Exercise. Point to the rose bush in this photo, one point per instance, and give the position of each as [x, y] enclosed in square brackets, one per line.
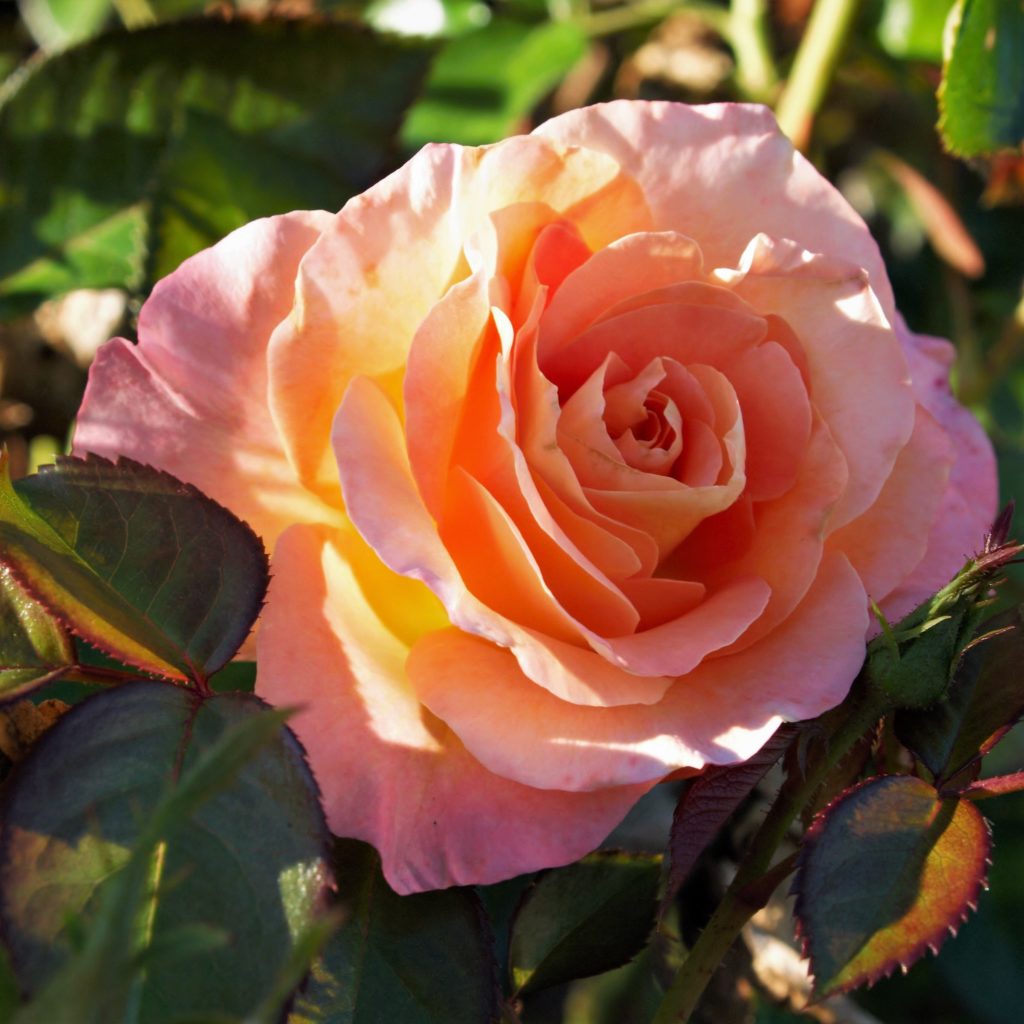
[579, 456]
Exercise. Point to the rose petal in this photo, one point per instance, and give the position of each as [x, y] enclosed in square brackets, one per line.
[386, 510]
[885, 543]
[190, 398]
[721, 713]
[390, 773]
[413, 235]
[721, 173]
[859, 381]
[776, 419]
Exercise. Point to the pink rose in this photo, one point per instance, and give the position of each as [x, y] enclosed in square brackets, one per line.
[579, 457]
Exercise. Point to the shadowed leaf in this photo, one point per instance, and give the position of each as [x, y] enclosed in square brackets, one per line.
[584, 919]
[421, 959]
[135, 149]
[986, 698]
[886, 872]
[208, 806]
[134, 561]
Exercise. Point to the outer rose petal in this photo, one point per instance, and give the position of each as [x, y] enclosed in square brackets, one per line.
[722, 712]
[389, 772]
[191, 397]
[720, 174]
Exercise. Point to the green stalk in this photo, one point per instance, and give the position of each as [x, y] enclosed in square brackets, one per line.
[745, 897]
[815, 62]
[756, 74]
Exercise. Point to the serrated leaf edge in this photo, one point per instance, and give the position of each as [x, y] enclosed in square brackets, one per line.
[931, 944]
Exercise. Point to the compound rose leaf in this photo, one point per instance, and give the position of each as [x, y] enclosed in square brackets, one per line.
[208, 805]
[134, 561]
[34, 647]
[709, 801]
[584, 919]
[985, 700]
[886, 872]
[421, 959]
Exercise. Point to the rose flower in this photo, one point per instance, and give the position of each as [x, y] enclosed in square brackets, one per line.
[579, 457]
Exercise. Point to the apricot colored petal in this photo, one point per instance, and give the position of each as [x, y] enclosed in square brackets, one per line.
[661, 600]
[788, 540]
[389, 772]
[628, 267]
[394, 251]
[191, 397]
[859, 379]
[385, 508]
[890, 539]
[722, 173]
[722, 712]
[437, 378]
[677, 647]
[713, 335]
[776, 419]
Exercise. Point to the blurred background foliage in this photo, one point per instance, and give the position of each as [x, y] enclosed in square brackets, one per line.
[136, 132]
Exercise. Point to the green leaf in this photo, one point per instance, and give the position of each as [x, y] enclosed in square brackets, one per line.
[421, 959]
[584, 919]
[886, 872]
[210, 810]
[986, 698]
[34, 647]
[981, 98]
[57, 23]
[485, 83]
[912, 29]
[132, 150]
[134, 561]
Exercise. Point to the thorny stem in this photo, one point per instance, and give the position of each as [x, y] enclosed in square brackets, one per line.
[745, 896]
[815, 62]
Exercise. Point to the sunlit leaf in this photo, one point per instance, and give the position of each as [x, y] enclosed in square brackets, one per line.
[981, 98]
[34, 647]
[134, 561]
[483, 84]
[886, 873]
[584, 919]
[421, 959]
[210, 808]
[57, 23]
[912, 29]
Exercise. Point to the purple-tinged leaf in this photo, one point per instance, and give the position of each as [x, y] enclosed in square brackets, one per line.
[886, 872]
[985, 700]
[996, 785]
[137, 563]
[709, 802]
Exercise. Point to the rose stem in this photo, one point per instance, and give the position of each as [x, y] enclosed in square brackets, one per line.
[756, 74]
[745, 897]
[812, 70]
